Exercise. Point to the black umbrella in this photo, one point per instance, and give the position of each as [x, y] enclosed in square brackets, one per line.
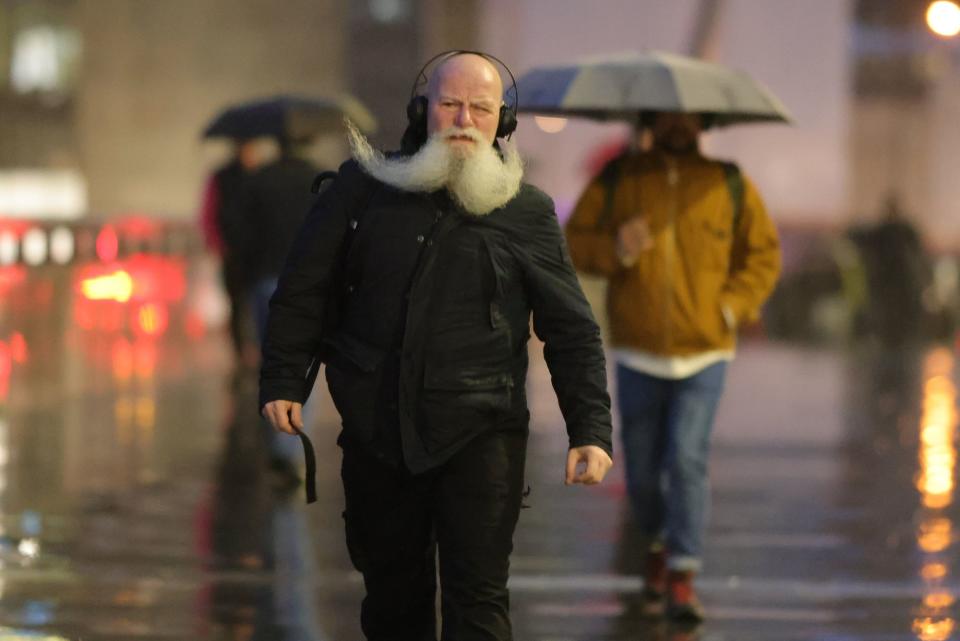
[289, 118]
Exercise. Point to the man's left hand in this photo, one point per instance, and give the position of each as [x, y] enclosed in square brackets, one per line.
[596, 464]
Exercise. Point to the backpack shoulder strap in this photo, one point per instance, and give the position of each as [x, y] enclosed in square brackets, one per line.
[735, 186]
[609, 177]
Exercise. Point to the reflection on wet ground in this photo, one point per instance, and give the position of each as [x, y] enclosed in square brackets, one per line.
[136, 502]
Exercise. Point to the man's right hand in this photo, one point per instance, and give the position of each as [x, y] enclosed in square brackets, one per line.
[284, 415]
[633, 237]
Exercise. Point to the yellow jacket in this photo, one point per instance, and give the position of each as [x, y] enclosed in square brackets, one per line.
[670, 301]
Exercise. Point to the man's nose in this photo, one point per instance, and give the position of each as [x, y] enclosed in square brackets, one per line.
[464, 118]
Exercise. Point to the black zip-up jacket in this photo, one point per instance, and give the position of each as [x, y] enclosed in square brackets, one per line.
[421, 313]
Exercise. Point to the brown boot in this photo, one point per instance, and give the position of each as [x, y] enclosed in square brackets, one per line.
[653, 595]
[682, 602]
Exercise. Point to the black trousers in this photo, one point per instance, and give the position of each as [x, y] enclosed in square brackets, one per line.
[467, 510]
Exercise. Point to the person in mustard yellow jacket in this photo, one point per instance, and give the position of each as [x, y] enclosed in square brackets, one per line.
[690, 255]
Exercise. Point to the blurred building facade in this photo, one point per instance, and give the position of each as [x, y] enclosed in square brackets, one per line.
[115, 92]
[905, 141]
[874, 95]
[102, 101]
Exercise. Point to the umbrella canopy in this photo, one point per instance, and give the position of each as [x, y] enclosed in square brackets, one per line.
[289, 118]
[623, 87]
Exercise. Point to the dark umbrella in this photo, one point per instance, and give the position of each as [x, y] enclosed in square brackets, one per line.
[623, 87]
[289, 118]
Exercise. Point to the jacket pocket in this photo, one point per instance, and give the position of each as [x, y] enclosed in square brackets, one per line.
[458, 403]
[354, 378]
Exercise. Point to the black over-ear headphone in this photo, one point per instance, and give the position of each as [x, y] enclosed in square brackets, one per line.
[417, 107]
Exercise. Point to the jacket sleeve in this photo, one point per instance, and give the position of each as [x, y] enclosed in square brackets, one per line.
[562, 319]
[295, 323]
[755, 259]
[593, 249]
[209, 218]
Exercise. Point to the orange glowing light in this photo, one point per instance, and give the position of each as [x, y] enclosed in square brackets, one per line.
[121, 358]
[117, 286]
[938, 600]
[938, 454]
[935, 535]
[933, 571]
[146, 412]
[153, 319]
[930, 629]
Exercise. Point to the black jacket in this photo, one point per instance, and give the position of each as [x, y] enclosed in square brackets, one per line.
[427, 347]
[273, 203]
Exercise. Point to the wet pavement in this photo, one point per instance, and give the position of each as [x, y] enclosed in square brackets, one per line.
[136, 501]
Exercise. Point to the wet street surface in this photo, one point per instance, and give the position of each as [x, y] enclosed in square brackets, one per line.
[136, 501]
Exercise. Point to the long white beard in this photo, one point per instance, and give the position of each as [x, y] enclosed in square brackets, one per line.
[480, 181]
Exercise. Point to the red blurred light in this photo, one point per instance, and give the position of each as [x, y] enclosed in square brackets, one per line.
[6, 365]
[194, 326]
[138, 226]
[11, 277]
[18, 348]
[110, 317]
[145, 357]
[84, 314]
[108, 245]
[121, 357]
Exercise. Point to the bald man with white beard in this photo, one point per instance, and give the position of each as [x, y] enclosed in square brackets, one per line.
[414, 280]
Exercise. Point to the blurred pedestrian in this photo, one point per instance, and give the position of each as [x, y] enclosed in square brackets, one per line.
[435, 259]
[223, 234]
[689, 254]
[273, 205]
[901, 306]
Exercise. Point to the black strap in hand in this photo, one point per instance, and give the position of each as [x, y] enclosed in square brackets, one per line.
[311, 464]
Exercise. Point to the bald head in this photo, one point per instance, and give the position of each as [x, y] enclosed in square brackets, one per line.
[464, 92]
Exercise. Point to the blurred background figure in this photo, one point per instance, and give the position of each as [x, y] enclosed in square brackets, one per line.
[223, 232]
[274, 202]
[273, 205]
[900, 304]
[269, 203]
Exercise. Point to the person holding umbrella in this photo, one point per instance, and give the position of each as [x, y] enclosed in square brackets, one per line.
[689, 254]
[222, 232]
[269, 205]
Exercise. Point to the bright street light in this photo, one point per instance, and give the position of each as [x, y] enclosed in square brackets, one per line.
[943, 18]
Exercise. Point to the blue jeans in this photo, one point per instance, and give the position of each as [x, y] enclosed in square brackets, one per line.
[666, 426]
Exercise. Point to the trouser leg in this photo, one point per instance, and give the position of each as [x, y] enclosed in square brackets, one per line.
[642, 402]
[389, 528]
[479, 496]
[693, 406]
